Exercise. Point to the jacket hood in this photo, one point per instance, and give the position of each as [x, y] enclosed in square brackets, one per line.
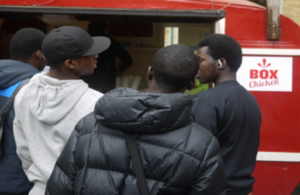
[51, 99]
[12, 71]
[137, 112]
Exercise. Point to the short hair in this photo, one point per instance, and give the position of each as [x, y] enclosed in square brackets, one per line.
[56, 66]
[175, 66]
[25, 42]
[224, 46]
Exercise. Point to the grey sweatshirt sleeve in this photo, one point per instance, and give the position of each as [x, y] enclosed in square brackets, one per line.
[22, 145]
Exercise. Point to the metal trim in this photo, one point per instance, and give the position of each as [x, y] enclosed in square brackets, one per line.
[115, 11]
[271, 52]
[278, 156]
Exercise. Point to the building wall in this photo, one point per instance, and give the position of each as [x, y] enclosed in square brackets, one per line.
[291, 8]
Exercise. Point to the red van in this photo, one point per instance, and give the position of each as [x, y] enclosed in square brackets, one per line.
[270, 69]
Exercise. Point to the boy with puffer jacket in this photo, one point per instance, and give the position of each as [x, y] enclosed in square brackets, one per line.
[178, 156]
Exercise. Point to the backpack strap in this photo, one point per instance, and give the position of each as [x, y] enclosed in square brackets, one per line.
[7, 107]
[137, 164]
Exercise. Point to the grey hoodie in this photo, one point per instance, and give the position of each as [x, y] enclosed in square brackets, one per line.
[46, 112]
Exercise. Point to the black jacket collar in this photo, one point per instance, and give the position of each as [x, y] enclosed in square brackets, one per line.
[137, 112]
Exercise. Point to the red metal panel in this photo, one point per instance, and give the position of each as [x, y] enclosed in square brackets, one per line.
[280, 117]
[280, 110]
[150, 4]
[142, 4]
[248, 26]
[276, 178]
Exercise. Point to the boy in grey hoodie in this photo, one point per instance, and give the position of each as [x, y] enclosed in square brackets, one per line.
[48, 108]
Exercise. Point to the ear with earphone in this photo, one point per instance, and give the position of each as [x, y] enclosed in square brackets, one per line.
[220, 63]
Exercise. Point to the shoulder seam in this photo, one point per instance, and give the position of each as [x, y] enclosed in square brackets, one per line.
[208, 146]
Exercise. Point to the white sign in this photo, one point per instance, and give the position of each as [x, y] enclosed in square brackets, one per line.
[266, 73]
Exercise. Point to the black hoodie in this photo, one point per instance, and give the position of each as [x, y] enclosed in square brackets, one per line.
[12, 177]
[179, 157]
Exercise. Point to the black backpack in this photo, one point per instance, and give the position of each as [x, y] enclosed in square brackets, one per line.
[7, 107]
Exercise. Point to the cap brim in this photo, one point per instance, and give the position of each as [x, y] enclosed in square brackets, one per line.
[100, 44]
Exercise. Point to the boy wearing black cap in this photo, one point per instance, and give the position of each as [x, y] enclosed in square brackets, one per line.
[48, 108]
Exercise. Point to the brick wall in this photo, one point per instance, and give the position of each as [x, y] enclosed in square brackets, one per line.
[291, 8]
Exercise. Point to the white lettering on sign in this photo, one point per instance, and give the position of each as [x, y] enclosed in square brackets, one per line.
[266, 73]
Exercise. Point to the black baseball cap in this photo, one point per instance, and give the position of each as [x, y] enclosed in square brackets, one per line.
[69, 42]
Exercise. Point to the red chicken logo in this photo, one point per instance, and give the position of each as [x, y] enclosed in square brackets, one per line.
[264, 64]
[263, 74]
[263, 77]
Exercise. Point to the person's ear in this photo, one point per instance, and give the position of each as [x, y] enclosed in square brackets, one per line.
[191, 85]
[39, 55]
[222, 63]
[70, 64]
[150, 73]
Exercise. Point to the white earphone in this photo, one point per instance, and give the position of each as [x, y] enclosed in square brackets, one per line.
[220, 63]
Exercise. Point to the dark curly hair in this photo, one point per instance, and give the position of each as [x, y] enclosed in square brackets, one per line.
[175, 66]
[25, 42]
[224, 46]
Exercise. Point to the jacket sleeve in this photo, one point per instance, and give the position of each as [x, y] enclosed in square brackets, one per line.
[210, 178]
[205, 115]
[62, 178]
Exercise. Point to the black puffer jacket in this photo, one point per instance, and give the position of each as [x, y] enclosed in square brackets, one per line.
[179, 157]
